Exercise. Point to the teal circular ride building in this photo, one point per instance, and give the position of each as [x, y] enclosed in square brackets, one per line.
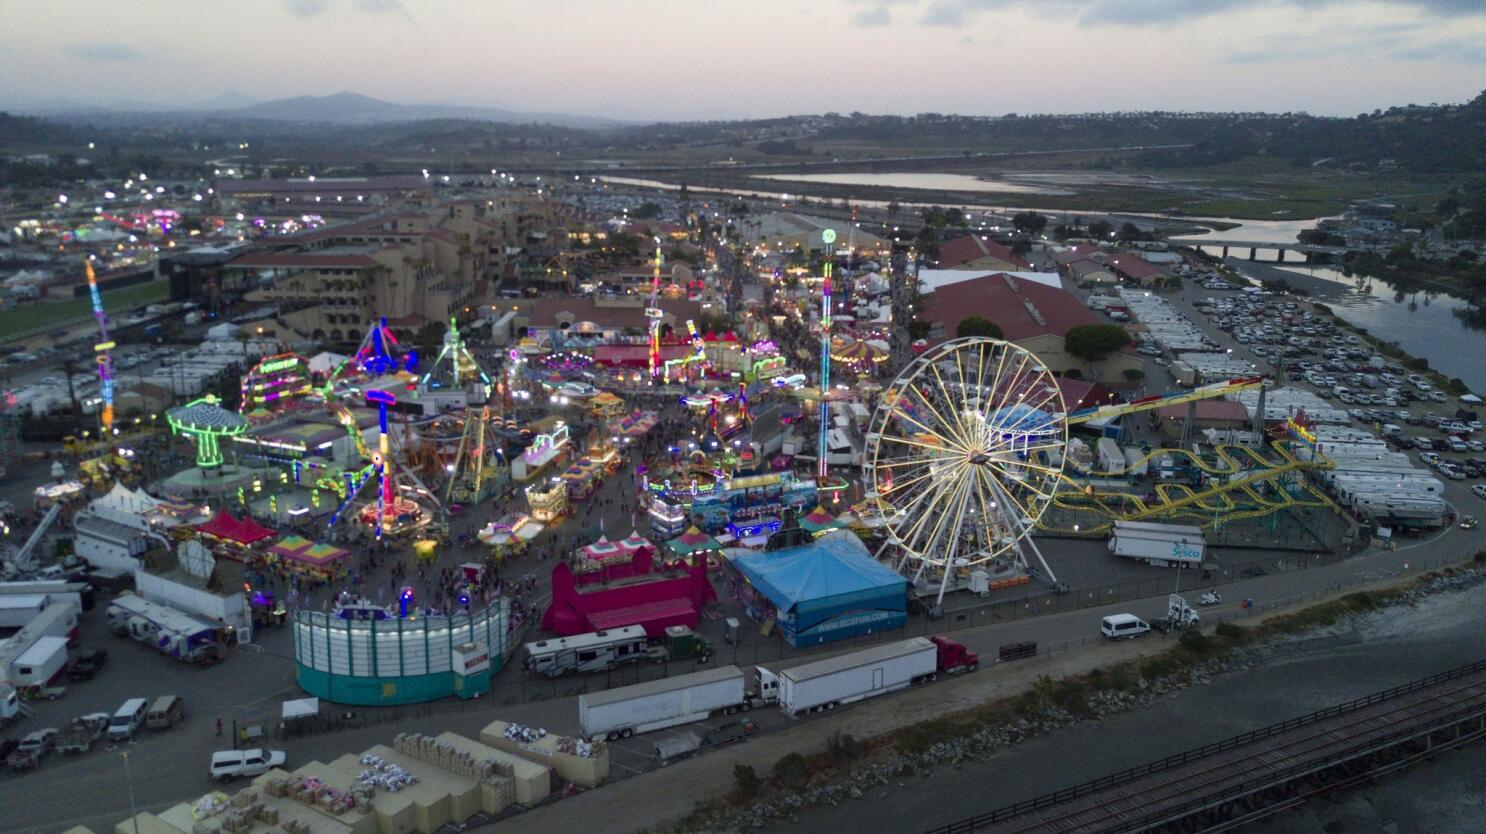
[371, 657]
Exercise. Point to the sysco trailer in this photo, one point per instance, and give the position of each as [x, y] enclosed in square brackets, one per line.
[1167, 545]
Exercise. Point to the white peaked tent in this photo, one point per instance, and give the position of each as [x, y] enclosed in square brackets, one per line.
[124, 499]
[324, 363]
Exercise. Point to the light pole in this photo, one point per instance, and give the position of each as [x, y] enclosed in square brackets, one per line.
[129, 781]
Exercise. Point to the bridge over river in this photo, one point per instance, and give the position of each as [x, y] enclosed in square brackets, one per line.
[1307, 250]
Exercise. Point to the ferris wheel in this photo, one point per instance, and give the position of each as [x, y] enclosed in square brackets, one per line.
[965, 453]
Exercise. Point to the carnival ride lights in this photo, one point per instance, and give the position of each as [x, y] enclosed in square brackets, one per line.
[206, 422]
[374, 356]
[653, 313]
[827, 237]
[275, 380]
[102, 348]
[462, 364]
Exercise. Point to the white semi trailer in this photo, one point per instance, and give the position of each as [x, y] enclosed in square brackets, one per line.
[870, 672]
[670, 702]
[1166, 545]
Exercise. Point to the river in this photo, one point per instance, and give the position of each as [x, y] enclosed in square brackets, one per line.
[930, 182]
[1425, 324]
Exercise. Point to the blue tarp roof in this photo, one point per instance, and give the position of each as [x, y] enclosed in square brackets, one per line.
[829, 567]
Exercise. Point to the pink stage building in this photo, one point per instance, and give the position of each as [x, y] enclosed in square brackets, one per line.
[615, 584]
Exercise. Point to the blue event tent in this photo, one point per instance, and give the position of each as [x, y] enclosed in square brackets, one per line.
[830, 589]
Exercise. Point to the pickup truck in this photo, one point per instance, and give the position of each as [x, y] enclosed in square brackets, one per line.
[732, 731]
[87, 665]
[232, 764]
[33, 749]
[82, 733]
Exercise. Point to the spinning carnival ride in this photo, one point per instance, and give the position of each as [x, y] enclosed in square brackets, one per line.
[966, 453]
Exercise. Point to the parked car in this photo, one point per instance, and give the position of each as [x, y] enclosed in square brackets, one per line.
[1479, 490]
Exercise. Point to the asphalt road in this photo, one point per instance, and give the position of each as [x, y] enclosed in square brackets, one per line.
[1391, 648]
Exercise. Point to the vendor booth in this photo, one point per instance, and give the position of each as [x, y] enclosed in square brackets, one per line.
[606, 405]
[548, 500]
[510, 535]
[582, 480]
[298, 555]
[830, 589]
[693, 546]
[634, 424]
[64, 493]
[234, 538]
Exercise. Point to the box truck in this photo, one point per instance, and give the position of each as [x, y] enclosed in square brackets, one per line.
[1166, 545]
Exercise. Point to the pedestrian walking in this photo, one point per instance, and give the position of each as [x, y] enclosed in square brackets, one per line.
[219, 728]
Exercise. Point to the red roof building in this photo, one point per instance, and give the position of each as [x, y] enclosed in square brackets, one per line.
[1033, 315]
[979, 252]
[1023, 309]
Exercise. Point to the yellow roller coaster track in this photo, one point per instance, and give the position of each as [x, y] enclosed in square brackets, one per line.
[1209, 506]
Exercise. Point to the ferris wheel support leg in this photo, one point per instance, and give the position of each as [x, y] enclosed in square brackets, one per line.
[1051, 577]
[943, 585]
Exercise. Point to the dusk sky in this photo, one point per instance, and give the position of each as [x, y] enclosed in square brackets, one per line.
[689, 59]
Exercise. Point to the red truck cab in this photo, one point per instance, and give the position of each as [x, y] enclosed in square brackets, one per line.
[954, 657]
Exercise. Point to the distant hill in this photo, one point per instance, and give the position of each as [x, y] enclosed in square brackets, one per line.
[1438, 138]
[356, 109]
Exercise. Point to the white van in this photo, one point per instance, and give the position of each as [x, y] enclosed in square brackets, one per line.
[1122, 626]
[1391, 430]
[128, 719]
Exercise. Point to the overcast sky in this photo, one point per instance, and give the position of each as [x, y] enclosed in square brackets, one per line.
[711, 58]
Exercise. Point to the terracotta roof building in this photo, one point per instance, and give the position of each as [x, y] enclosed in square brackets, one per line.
[980, 252]
[1033, 315]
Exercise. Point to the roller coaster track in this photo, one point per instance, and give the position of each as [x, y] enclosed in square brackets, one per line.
[1209, 506]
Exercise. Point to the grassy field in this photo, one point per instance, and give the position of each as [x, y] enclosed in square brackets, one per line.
[20, 321]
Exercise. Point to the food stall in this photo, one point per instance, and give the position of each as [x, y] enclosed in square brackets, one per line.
[692, 546]
[301, 556]
[64, 493]
[606, 405]
[582, 479]
[233, 538]
[510, 535]
[548, 500]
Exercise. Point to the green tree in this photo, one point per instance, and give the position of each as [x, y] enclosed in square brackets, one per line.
[1100, 230]
[978, 326]
[1134, 375]
[1030, 222]
[927, 242]
[648, 210]
[1095, 342]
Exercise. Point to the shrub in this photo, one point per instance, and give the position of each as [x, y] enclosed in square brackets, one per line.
[1194, 641]
[1155, 668]
[746, 779]
[791, 771]
[1229, 631]
[842, 746]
